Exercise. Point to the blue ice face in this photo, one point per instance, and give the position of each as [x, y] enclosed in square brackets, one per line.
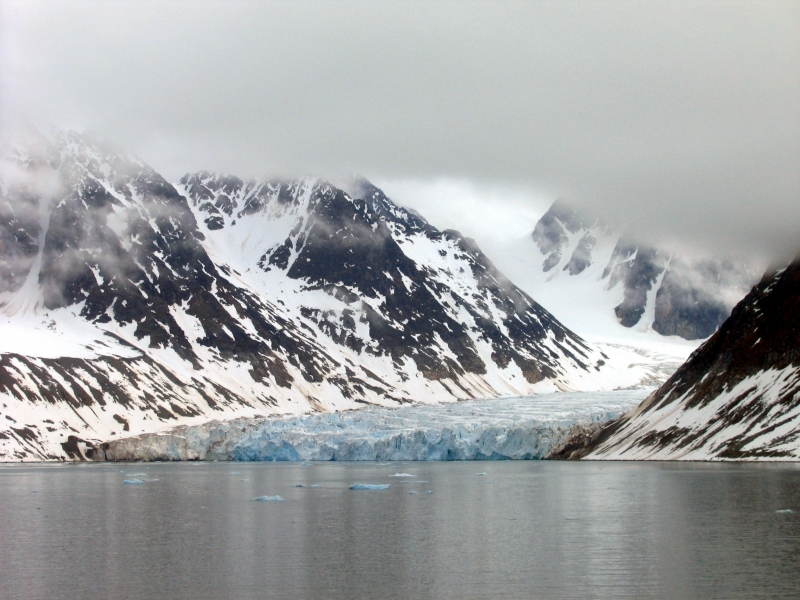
[498, 429]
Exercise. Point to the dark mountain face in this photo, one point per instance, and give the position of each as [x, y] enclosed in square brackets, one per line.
[19, 235]
[638, 268]
[21, 200]
[123, 244]
[694, 298]
[551, 235]
[691, 298]
[738, 395]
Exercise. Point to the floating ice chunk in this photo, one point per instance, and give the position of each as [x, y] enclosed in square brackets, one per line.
[384, 464]
[402, 475]
[413, 492]
[369, 486]
[136, 474]
[429, 492]
[268, 499]
[307, 464]
[299, 485]
[314, 485]
[784, 511]
[235, 473]
[133, 481]
[34, 491]
[245, 480]
[480, 474]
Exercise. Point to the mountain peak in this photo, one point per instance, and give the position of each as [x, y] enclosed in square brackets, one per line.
[654, 288]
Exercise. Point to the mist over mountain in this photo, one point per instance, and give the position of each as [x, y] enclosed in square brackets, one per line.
[602, 277]
[679, 116]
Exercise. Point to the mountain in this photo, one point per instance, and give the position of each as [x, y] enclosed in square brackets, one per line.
[736, 398]
[601, 278]
[130, 305]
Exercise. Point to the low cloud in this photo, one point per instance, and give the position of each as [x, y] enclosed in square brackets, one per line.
[681, 117]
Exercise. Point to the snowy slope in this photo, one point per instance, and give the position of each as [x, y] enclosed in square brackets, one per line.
[600, 281]
[130, 305]
[736, 398]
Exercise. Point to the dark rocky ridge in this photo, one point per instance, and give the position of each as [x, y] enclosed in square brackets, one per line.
[749, 371]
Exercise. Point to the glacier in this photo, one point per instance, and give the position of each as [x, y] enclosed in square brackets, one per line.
[496, 429]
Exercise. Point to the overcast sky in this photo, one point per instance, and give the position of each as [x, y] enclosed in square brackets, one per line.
[682, 117]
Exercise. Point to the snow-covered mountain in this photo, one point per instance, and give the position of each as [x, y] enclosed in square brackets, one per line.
[601, 280]
[736, 398]
[130, 305]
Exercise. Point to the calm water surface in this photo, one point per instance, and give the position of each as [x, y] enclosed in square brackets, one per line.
[522, 530]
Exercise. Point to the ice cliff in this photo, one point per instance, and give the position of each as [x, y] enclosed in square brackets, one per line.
[498, 429]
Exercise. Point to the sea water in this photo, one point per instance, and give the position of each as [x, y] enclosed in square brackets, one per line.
[522, 529]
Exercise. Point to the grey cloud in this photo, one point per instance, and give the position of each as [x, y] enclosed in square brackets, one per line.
[680, 116]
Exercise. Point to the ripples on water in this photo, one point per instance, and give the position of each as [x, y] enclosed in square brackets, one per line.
[523, 530]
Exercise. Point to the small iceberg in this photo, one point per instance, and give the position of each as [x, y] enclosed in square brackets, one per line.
[268, 499]
[132, 481]
[299, 485]
[136, 474]
[784, 511]
[412, 492]
[369, 486]
[480, 474]
[314, 485]
[235, 473]
[402, 475]
[429, 492]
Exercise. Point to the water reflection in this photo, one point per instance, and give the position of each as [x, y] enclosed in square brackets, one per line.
[526, 529]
